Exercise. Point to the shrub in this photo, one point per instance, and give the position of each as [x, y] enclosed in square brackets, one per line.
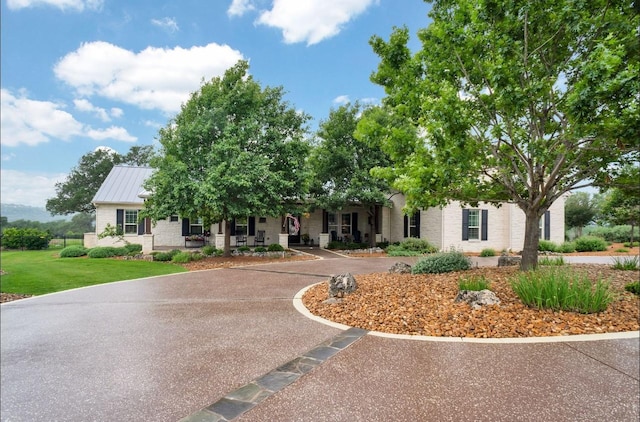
[562, 290]
[121, 251]
[442, 263]
[260, 249]
[630, 245]
[475, 283]
[208, 250]
[101, 252]
[244, 249]
[275, 247]
[487, 252]
[410, 247]
[633, 287]
[547, 246]
[626, 263]
[31, 239]
[590, 244]
[133, 248]
[162, 256]
[73, 251]
[182, 258]
[622, 250]
[617, 234]
[567, 247]
[557, 261]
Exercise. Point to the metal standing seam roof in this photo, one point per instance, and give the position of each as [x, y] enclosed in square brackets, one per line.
[123, 185]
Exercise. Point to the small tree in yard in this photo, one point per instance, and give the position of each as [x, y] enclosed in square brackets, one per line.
[341, 166]
[579, 211]
[512, 101]
[234, 150]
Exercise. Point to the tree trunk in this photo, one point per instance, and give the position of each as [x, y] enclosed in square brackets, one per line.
[372, 226]
[227, 238]
[531, 241]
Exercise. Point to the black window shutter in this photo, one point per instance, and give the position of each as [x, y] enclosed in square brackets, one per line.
[406, 226]
[465, 224]
[484, 228]
[185, 227]
[325, 221]
[417, 218]
[354, 223]
[547, 225]
[233, 227]
[120, 220]
[140, 224]
[252, 226]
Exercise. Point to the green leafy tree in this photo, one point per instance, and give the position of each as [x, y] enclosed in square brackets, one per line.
[75, 193]
[341, 166]
[621, 207]
[233, 150]
[512, 101]
[579, 210]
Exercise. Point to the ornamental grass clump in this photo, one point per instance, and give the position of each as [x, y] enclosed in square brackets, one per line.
[565, 290]
[443, 262]
[551, 261]
[626, 263]
[475, 283]
[487, 252]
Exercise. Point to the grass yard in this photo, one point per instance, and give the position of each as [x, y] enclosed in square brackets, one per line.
[40, 272]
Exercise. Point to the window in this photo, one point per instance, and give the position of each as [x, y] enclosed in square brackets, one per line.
[130, 221]
[173, 218]
[544, 226]
[332, 223]
[195, 226]
[474, 224]
[414, 226]
[241, 226]
[345, 227]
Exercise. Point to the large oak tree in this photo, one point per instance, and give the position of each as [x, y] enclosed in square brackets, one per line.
[234, 150]
[517, 101]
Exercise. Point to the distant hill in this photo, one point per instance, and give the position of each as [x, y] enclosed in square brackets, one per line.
[15, 212]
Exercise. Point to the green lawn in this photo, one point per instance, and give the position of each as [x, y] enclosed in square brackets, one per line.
[40, 272]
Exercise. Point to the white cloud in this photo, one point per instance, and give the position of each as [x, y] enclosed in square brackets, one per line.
[7, 157]
[78, 5]
[85, 105]
[168, 24]
[240, 7]
[116, 112]
[28, 188]
[31, 122]
[312, 21]
[154, 78]
[341, 99]
[25, 121]
[113, 132]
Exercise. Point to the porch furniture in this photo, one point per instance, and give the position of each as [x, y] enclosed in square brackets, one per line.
[259, 239]
[195, 241]
[334, 236]
[241, 240]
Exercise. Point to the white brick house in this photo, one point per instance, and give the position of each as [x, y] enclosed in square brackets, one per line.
[121, 197]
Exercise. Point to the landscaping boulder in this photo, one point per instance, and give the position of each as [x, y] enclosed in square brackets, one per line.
[341, 284]
[477, 298]
[509, 261]
[400, 268]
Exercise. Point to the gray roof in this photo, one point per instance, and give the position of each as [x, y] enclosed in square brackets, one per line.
[123, 185]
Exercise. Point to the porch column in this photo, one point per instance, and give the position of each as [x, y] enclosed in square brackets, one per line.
[283, 240]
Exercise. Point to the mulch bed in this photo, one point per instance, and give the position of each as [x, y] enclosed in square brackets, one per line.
[424, 305]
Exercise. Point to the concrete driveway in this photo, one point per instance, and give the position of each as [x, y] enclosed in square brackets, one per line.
[171, 348]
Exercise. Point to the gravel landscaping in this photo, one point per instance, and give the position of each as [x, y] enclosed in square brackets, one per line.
[424, 305]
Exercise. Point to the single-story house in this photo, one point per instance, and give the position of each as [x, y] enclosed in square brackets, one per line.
[470, 229]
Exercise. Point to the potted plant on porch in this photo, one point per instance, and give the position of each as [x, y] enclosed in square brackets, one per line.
[305, 238]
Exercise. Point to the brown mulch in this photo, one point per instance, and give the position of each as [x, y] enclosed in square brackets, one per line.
[240, 261]
[424, 305]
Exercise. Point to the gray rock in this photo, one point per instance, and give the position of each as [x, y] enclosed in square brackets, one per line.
[341, 284]
[476, 299]
[400, 268]
[509, 261]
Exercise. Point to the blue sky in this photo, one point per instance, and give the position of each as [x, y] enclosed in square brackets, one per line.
[78, 74]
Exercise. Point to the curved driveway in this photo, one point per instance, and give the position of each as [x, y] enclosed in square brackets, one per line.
[163, 348]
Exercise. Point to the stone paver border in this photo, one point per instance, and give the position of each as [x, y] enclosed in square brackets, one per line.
[249, 395]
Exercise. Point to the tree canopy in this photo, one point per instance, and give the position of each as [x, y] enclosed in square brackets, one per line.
[512, 101]
[78, 189]
[579, 211]
[341, 164]
[234, 150]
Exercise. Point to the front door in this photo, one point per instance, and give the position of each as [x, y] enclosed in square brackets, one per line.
[293, 228]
